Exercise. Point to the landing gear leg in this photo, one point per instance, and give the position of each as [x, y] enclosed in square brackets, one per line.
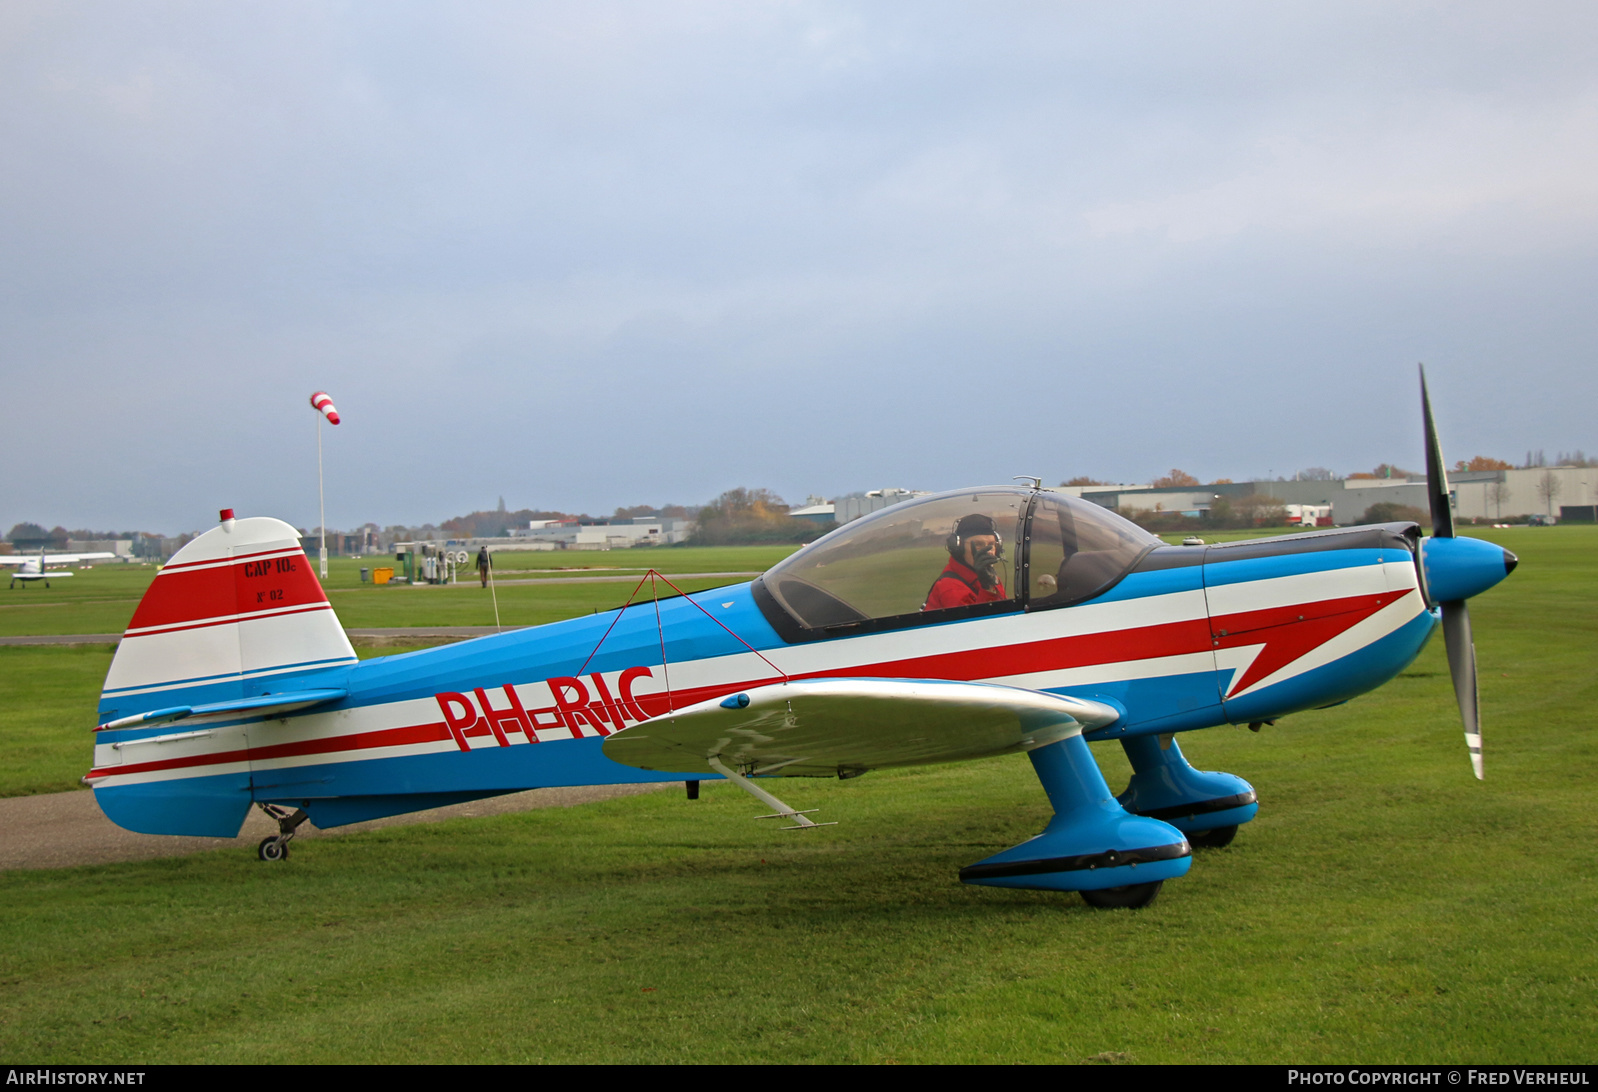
[1092, 844]
[276, 847]
[1207, 807]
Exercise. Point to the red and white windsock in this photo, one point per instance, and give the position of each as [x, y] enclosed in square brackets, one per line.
[322, 402]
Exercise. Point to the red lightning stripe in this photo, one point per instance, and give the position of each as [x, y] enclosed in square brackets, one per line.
[1290, 632]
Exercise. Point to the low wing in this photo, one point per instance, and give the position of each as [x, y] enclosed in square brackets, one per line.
[52, 559]
[843, 727]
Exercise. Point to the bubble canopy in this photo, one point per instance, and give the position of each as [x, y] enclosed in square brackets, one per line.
[879, 572]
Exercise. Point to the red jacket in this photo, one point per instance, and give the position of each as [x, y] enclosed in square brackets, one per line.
[958, 586]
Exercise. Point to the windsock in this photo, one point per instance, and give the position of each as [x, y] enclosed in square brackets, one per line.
[321, 401]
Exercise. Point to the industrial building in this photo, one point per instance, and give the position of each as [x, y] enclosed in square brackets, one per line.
[571, 534]
[1568, 492]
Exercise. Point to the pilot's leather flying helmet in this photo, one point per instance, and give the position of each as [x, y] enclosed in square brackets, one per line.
[970, 526]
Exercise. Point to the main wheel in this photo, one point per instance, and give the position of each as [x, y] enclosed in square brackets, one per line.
[1214, 838]
[271, 849]
[1131, 897]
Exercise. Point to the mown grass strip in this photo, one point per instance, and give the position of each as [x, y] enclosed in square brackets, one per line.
[1385, 907]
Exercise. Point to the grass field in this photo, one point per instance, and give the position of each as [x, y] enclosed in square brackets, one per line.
[1385, 906]
[48, 698]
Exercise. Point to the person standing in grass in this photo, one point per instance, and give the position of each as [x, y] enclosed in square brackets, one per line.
[482, 564]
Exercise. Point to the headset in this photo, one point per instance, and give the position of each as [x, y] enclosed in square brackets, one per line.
[975, 524]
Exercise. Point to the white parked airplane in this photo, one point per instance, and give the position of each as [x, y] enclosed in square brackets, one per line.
[33, 568]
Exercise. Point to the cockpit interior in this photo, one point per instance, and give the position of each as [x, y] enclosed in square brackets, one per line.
[878, 572]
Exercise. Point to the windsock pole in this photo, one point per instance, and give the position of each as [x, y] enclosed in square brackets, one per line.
[322, 403]
[321, 497]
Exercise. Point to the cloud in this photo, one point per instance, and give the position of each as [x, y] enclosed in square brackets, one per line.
[593, 254]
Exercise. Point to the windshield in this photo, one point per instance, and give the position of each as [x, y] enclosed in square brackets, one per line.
[926, 556]
[1078, 549]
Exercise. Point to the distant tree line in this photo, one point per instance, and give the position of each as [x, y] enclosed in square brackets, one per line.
[741, 517]
[1179, 479]
[1388, 512]
[1537, 460]
[737, 517]
[1225, 514]
[745, 515]
[31, 535]
[496, 524]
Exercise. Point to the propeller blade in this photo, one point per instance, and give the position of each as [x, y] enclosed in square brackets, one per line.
[1436, 470]
[1462, 667]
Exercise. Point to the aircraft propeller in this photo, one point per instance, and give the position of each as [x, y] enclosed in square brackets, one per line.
[1456, 615]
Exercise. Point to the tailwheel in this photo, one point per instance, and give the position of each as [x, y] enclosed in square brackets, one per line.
[276, 847]
[1214, 838]
[1131, 897]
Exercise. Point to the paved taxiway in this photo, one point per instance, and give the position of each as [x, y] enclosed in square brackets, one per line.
[64, 829]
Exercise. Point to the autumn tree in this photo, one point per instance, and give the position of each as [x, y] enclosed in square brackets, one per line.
[27, 533]
[1390, 512]
[741, 516]
[1175, 479]
[1483, 462]
[1085, 481]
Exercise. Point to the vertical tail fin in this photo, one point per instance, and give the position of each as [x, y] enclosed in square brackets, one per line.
[236, 613]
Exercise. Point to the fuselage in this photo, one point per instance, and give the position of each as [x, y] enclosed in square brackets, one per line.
[1186, 637]
[33, 569]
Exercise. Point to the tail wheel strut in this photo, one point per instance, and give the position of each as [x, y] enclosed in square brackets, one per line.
[276, 847]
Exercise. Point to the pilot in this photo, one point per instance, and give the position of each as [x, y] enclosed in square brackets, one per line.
[972, 574]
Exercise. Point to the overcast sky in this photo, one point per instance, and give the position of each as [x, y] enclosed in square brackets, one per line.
[585, 255]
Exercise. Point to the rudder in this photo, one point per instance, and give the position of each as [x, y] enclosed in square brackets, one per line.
[235, 615]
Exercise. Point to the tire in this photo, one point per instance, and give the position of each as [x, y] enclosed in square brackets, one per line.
[1132, 897]
[271, 849]
[1214, 838]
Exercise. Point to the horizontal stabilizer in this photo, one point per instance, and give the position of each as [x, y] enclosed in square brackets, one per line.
[844, 727]
[265, 705]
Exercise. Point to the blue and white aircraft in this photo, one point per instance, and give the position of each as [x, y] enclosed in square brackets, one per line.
[235, 685]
